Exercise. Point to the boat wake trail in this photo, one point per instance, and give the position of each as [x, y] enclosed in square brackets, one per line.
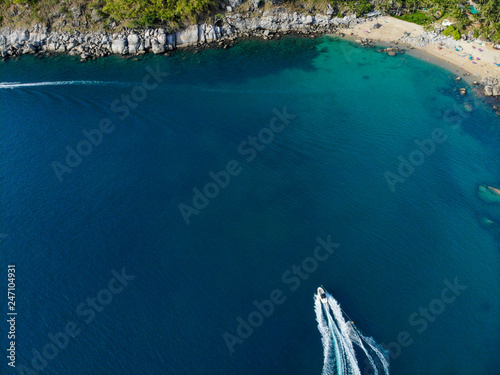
[14, 85]
[341, 339]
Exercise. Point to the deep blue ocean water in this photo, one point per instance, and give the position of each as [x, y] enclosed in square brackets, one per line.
[356, 111]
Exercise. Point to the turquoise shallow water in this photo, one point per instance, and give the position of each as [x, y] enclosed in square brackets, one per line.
[323, 174]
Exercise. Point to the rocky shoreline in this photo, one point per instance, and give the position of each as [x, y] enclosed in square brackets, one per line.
[39, 40]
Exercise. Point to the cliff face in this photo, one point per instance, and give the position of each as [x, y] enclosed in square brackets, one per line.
[90, 44]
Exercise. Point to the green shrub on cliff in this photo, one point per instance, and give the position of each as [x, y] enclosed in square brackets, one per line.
[360, 7]
[419, 18]
[452, 31]
[449, 30]
[149, 12]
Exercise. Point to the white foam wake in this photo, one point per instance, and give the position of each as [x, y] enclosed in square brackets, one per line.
[339, 340]
[326, 339]
[13, 85]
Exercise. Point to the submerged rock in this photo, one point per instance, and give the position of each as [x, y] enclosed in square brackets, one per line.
[489, 194]
[468, 107]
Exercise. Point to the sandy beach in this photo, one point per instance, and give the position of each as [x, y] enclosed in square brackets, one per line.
[481, 65]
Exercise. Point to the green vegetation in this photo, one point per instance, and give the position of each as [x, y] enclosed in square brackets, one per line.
[419, 18]
[136, 12]
[175, 13]
[452, 31]
[149, 12]
[449, 30]
[423, 12]
[360, 7]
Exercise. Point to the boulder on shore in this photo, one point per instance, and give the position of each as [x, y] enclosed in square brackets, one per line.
[118, 45]
[133, 43]
[156, 47]
[188, 36]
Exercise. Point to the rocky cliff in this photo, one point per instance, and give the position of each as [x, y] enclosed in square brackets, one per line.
[38, 39]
